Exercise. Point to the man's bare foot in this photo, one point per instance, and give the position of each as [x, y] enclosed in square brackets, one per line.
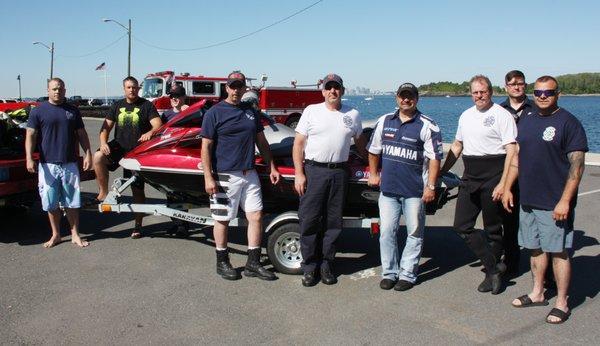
[79, 242]
[52, 242]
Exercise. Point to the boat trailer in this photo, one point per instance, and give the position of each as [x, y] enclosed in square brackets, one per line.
[282, 230]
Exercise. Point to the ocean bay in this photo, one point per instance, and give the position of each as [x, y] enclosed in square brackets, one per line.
[446, 111]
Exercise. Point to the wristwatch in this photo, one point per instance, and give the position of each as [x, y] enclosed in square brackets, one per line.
[431, 187]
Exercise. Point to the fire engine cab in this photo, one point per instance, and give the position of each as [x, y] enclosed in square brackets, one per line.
[283, 104]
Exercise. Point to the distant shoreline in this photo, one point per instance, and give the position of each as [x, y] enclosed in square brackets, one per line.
[468, 95]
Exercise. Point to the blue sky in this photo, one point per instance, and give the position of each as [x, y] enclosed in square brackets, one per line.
[375, 44]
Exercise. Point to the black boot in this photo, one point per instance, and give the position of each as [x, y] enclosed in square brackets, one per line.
[493, 281]
[224, 267]
[254, 269]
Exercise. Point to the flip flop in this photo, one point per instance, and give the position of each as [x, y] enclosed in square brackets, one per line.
[137, 232]
[558, 313]
[91, 203]
[526, 302]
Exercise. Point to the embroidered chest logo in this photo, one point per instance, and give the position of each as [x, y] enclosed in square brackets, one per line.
[347, 121]
[489, 121]
[69, 115]
[125, 117]
[249, 115]
[389, 134]
[549, 134]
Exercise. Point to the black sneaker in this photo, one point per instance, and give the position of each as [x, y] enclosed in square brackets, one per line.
[403, 285]
[387, 284]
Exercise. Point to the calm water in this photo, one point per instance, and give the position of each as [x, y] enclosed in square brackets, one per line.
[446, 110]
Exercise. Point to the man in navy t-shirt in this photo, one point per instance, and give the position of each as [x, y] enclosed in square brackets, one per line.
[229, 133]
[409, 146]
[57, 128]
[551, 158]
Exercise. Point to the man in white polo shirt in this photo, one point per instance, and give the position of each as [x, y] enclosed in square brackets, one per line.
[321, 150]
[486, 137]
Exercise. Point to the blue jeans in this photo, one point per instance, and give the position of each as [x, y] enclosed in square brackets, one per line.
[390, 210]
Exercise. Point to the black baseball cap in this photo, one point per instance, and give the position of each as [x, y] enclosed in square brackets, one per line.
[408, 87]
[332, 77]
[177, 91]
[236, 77]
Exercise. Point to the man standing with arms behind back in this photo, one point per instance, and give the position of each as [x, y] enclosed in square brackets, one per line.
[551, 159]
[321, 149]
[135, 120]
[486, 136]
[519, 105]
[409, 144]
[60, 128]
[230, 132]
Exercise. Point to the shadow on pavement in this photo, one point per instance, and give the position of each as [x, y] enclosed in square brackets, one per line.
[585, 282]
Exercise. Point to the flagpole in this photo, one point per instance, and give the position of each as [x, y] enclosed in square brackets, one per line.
[105, 90]
[19, 78]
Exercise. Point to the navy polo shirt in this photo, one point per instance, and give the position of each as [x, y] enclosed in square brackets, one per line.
[57, 136]
[233, 130]
[544, 142]
[405, 149]
[525, 108]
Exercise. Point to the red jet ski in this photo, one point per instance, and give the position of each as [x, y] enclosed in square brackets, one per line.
[171, 162]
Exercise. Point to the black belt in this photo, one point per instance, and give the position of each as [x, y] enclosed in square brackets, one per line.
[330, 165]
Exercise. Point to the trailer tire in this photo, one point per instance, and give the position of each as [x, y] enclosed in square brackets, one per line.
[292, 121]
[283, 248]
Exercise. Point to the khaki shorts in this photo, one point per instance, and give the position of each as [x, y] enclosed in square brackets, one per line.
[239, 189]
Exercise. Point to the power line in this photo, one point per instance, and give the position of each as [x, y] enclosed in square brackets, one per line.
[231, 40]
[96, 51]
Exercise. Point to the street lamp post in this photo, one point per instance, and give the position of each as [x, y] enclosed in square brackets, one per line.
[128, 29]
[51, 49]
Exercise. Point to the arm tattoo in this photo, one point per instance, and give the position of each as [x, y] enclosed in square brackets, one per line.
[577, 161]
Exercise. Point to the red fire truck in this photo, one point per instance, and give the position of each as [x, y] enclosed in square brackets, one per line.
[284, 104]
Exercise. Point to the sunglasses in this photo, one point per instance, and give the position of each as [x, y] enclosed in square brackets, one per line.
[333, 86]
[546, 93]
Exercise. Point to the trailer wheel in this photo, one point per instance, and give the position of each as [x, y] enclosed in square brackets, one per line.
[283, 249]
[292, 121]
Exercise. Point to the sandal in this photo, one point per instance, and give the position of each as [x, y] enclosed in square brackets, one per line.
[526, 302]
[137, 232]
[555, 312]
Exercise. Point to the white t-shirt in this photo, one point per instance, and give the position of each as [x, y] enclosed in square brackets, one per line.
[486, 133]
[328, 133]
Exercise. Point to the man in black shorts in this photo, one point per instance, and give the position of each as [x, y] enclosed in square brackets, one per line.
[135, 120]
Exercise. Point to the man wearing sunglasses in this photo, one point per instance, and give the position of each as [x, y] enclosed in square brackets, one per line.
[550, 162]
[519, 105]
[409, 146]
[321, 149]
[177, 98]
[230, 132]
[486, 137]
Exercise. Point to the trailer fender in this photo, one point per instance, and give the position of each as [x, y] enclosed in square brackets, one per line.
[281, 219]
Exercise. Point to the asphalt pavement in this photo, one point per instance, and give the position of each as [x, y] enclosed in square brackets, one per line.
[164, 290]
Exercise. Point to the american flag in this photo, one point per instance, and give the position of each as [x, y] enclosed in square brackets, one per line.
[101, 66]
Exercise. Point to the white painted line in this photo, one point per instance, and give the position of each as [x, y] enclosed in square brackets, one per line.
[588, 193]
[591, 163]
